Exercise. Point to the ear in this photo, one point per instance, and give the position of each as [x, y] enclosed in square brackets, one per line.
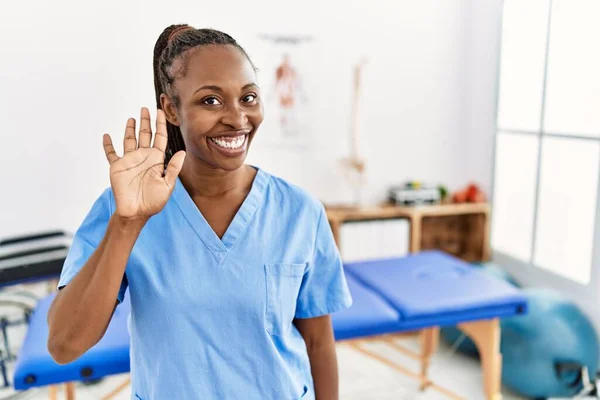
[169, 109]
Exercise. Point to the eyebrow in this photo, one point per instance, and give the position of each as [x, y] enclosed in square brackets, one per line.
[219, 89]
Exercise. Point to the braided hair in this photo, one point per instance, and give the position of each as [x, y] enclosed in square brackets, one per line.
[172, 44]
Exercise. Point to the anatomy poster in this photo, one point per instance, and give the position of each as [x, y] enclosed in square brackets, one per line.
[286, 74]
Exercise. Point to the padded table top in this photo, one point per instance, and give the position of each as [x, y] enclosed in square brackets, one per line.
[368, 315]
[432, 288]
[35, 366]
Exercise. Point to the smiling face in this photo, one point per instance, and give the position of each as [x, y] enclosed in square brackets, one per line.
[218, 106]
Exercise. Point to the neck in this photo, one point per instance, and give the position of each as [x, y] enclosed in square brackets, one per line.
[203, 181]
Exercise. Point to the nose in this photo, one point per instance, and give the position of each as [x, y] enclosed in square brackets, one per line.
[235, 116]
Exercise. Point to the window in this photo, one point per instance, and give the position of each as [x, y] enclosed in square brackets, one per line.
[547, 154]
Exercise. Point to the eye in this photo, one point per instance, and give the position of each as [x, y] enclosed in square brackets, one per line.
[249, 98]
[211, 101]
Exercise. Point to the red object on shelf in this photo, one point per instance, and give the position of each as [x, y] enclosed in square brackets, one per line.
[471, 194]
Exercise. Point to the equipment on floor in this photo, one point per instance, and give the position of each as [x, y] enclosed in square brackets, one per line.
[34, 257]
[549, 351]
[419, 292]
[24, 259]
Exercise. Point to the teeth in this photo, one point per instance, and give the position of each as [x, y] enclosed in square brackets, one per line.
[235, 143]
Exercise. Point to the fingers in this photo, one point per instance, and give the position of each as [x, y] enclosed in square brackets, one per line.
[174, 168]
[145, 131]
[161, 138]
[109, 150]
[129, 142]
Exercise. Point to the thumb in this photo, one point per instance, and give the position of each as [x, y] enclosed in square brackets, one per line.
[174, 168]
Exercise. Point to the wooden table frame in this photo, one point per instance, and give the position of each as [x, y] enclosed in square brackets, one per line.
[69, 389]
[485, 334]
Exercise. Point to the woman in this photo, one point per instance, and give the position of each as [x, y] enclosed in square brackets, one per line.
[232, 273]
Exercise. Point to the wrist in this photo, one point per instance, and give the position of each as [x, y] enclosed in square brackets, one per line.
[129, 223]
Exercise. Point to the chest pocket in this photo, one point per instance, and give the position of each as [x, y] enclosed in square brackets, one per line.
[283, 284]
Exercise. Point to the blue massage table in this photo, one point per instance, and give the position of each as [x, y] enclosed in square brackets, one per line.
[421, 292]
[35, 367]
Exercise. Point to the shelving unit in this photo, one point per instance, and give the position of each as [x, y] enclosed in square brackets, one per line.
[462, 230]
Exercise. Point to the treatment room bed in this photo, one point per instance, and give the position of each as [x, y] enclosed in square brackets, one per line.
[421, 292]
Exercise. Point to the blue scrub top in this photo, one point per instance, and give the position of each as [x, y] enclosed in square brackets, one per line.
[212, 318]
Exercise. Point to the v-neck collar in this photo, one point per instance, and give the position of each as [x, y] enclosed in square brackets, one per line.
[220, 247]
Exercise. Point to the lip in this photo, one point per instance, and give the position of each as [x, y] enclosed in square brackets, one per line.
[231, 133]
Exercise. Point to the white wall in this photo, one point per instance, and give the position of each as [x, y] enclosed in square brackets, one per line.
[484, 52]
[73, 70]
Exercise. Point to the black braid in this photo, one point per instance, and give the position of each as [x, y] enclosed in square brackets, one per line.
[165, 53]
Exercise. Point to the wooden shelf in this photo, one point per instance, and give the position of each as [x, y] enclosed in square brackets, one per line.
[336, 213]
[460, 229]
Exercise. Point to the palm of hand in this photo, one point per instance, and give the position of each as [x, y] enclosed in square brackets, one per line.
[140, 184]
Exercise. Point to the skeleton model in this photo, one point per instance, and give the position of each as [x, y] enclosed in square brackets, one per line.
[353, 166]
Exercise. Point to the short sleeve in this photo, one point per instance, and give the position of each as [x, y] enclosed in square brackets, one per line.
[324, 289]
[86, 240]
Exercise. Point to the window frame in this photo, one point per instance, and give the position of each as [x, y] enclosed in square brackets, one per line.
[527, 272]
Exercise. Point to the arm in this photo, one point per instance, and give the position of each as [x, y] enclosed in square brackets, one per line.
[320, 343]
[81, 311]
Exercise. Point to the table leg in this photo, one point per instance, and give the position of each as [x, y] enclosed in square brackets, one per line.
[429, 344]
[486, 256]
[415, 234]
[70, 391]
[53, 392]
[124, 385]
[486, 336]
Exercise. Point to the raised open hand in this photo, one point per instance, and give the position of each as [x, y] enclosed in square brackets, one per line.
[138, 179]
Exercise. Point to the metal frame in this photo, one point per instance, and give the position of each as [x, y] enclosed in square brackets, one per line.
[540, 136]
[558, 135]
